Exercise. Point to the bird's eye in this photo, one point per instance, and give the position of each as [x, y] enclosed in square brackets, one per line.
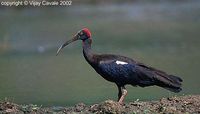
[81, 33]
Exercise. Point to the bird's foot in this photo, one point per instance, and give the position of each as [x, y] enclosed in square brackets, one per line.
[124, 93]
[121, 103]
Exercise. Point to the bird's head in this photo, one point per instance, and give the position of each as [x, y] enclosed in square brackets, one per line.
[83, 35]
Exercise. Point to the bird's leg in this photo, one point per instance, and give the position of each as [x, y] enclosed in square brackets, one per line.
[119, 93]
[124, 93]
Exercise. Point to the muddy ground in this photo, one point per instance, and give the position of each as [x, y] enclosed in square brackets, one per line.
[173, 105]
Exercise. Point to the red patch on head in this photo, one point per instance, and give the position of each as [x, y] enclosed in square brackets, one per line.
[87, 31]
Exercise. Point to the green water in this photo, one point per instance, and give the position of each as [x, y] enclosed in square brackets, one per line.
[163, 35]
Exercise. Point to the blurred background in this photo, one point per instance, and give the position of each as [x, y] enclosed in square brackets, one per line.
[162, 33]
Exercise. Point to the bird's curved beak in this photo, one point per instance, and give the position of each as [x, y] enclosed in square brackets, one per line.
[66, 43]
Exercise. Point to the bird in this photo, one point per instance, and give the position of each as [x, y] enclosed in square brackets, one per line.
[123, 70]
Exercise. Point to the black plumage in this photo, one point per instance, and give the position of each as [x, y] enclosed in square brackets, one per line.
[123, 70]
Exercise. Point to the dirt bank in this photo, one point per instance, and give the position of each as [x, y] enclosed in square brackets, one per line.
[178, 105]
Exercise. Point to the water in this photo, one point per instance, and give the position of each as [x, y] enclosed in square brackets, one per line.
[164, 35]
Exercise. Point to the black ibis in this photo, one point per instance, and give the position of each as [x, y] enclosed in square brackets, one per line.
[123, 70]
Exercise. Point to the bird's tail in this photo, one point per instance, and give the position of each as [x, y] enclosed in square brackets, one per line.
[169, 82]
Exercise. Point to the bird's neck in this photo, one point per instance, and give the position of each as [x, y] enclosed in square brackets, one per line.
[87, 51]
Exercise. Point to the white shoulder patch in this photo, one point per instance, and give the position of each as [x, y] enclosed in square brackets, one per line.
[121, 62]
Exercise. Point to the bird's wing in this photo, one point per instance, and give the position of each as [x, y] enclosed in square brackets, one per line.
[157, 72]
[150, 68]
[125, 70]
[116, 70]
[170, 82]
